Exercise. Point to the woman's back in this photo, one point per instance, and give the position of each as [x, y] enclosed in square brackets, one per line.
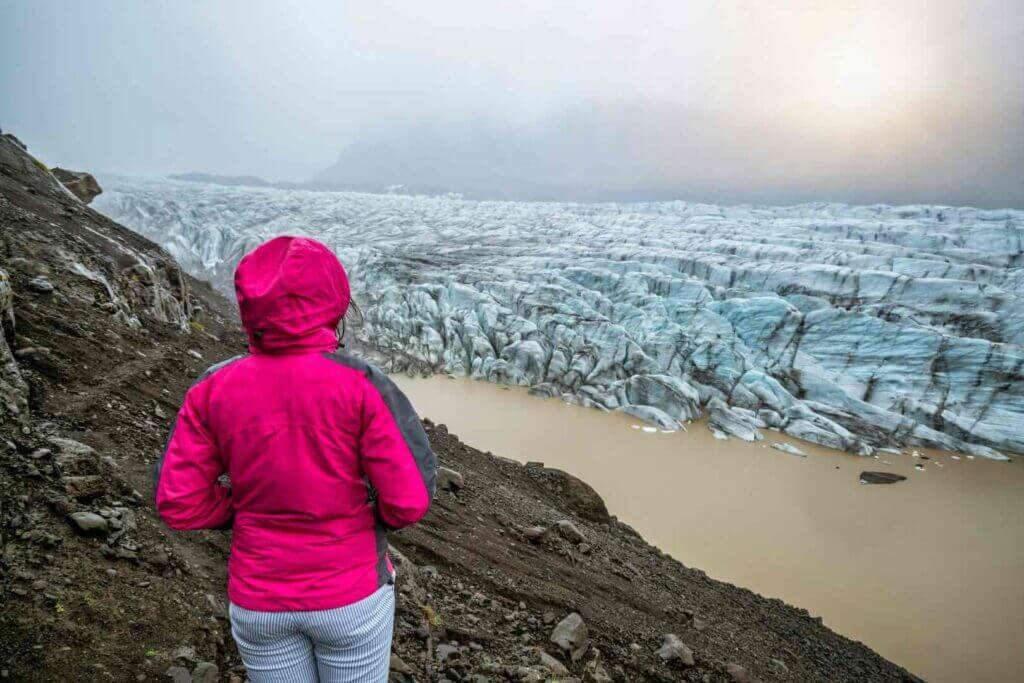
[322, 451]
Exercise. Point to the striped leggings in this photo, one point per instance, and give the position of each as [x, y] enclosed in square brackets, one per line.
[345, 644]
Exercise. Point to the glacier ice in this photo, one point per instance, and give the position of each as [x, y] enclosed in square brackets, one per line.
[855, 327]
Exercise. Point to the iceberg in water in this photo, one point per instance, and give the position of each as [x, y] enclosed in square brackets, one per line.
[855, 327]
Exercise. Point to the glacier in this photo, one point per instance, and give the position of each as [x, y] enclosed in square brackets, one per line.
[854, 327]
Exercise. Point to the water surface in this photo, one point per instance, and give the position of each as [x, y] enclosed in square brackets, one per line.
[928, 572]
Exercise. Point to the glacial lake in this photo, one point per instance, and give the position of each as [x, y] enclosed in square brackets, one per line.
[928, 572]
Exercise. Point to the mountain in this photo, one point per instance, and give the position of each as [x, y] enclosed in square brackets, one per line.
[103, 333]
[228, 180]
[911, 152]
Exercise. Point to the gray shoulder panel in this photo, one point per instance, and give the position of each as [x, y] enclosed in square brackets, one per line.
[405, 416]
[218, 366]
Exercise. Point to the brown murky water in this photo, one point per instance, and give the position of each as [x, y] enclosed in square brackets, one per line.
[929, 572]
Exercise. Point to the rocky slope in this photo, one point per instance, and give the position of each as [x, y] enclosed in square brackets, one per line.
[855, 327]
[518, 574]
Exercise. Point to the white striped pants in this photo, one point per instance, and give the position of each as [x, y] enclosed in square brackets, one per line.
[341, 645]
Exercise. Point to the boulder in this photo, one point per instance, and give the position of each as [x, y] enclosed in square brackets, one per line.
[85, 487]
[41, 284]
[674, 650]
[205, 672]
[399, 666]
[552, 664]
[82, 185]
[178, 674]
[578, 496]
[13, 388]
[572, 636]
[738, 674]
[880, 478]
[570, 531]
[89, 523]
[449, 480]
[13, 138]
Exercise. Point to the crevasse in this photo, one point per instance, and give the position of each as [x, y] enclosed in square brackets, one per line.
[856, 327]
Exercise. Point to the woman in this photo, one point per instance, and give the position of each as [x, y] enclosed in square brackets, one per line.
[324, 454]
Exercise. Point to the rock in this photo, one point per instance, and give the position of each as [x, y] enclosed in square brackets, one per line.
[179, 674]
[552, 664]
[205, 672]
[738, 674]
[399, 666]
[880, 478]
[13, 387]
[85, 487]
[82, 185]
[118, 553]
[218, 607]
[578, 496]
[571, 635]
[19, 143]
[596, 673]
[157, 557]
[89, 523]
[529, 674]
[570, 531]
[41, 284]
[674, 650]
[449, 480]
[444, 651]
[71, 447]
[788, 448]
[43, 538]
[535, 534]
[33, 352]
[778, 666]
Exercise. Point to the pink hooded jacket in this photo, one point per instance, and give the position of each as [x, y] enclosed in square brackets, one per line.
[322, 450]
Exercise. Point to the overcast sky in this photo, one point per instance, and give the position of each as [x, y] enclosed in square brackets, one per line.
[901, 100]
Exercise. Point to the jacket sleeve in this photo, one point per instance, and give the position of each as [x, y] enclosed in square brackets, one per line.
[188, 494]
[396, 454]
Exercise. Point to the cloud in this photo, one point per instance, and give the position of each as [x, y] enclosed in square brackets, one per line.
[917, 99]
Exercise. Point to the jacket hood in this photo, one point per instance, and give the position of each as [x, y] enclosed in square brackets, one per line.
[292, 293]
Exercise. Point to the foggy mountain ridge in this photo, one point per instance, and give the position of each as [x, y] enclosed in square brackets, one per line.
[649, 151]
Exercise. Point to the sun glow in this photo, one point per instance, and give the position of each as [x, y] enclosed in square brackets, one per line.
[857, 79]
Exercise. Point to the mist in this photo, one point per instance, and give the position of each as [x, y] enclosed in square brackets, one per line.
[712, 101]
